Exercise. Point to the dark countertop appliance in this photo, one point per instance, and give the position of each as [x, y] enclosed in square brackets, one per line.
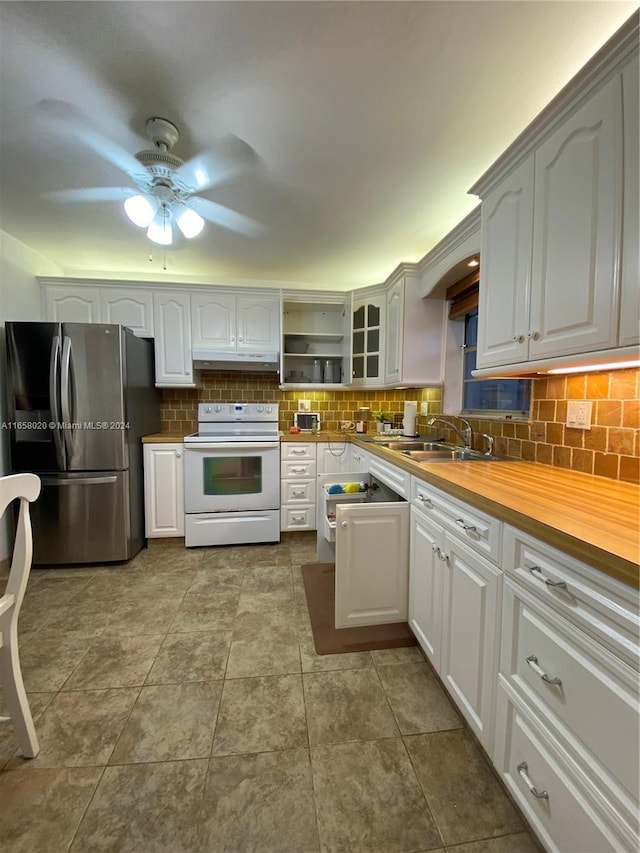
[80, 397]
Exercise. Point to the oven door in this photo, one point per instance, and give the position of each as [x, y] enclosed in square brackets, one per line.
[231, 476]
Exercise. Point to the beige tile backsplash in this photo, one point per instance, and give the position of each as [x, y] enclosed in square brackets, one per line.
[611, 448]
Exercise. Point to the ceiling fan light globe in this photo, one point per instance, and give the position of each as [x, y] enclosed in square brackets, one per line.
[189, 222]
[140, 210]
[160, 232]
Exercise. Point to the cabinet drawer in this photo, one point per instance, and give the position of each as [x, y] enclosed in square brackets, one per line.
[605, 608]
[395, 478]
[297, 450]
[302, 468]
[572, 816]
[481, 532]
[587, 694]
[298, 518]
[297, 491]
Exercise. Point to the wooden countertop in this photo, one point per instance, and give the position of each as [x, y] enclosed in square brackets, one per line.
[594, 519]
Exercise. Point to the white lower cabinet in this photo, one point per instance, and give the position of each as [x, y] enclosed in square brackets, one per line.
[454, 601]
[297, 485]
[372, 553]
[163, 490]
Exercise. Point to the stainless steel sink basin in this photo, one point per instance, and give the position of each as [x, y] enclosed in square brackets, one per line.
[447, 455]
[415, 445]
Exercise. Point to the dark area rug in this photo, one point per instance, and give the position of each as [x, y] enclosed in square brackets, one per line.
[319, 586]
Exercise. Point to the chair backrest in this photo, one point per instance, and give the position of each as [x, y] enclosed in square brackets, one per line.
[25, 488]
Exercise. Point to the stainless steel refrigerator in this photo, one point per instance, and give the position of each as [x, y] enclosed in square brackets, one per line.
[81, 395]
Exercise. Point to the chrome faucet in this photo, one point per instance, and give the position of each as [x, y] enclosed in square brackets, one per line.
[466, 437]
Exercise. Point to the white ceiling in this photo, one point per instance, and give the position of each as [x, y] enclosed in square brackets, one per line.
[371, 120]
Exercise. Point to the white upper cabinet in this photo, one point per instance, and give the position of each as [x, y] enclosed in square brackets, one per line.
[630, 275]
[413, 333]
[503, 316]
[128, 307]
[576, 231]
[367, 338]
[316, 333]
[228, 322]
[72, 304]
[172, 324]
[560, 225]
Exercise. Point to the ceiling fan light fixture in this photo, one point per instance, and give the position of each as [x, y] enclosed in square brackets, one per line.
[160, 230]
[141, 210]
[188, 221]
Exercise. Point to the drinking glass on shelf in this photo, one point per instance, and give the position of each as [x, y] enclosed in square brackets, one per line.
[316, 372]
[328, 371]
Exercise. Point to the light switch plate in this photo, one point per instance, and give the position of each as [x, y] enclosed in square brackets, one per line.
[579, 414]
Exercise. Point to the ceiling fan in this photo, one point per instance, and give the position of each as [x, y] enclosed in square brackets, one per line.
[167, 185]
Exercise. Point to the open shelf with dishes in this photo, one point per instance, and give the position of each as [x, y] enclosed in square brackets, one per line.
[315, 340]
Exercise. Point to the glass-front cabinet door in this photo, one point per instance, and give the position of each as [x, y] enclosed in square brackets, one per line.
[367, 336]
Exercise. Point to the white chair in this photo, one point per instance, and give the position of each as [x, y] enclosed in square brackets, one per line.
[25, 488]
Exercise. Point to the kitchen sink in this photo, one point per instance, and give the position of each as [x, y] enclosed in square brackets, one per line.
[448, 455]
[414, 445]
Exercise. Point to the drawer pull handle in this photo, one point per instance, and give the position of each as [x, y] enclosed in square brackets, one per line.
[299, 493]
[532, 660]
[554, 584]
[298, 452]
[468, 528]
[425, 501]
[297, 470]
[523, 770]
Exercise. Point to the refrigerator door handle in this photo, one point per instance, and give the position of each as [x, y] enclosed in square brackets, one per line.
[67, 395]
[54, 371]
[77, 481]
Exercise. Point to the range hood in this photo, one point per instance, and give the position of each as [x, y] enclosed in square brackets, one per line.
[205, 359]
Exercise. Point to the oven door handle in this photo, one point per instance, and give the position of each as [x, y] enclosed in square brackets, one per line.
[236, 445]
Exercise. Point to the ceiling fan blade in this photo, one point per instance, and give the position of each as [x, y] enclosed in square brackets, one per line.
[91, 194]
[68, 119]
[229, 157]
[226, 218]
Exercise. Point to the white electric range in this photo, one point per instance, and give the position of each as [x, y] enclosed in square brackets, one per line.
[232, 475]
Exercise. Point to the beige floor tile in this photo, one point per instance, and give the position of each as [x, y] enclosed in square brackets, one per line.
[313, 662]
[261, 714]
[138, 617]
[41, 809]
[268, 653]
[247, 555]
[467, 801]
[368, 799]
[84, 618]
[347, 705]
[406, 654]
[280, 601]
[272, 792]
[149, 808]
[213, 580]
[80, 729]
[199, 656]
[519, 843]
[170, 722]
[417, 700]
[268, 579]
[115, 662]
[38, 703]
[214, 612]
[48, 658]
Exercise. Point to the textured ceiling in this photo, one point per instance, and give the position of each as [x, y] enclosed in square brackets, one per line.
[371, 121]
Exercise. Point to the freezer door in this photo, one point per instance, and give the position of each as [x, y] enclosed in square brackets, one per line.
[33, 392]
[82, 518]
[92, 397]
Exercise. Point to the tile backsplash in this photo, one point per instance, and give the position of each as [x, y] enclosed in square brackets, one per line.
[611, 448]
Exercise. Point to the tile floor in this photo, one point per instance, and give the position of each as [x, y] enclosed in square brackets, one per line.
[181, 707]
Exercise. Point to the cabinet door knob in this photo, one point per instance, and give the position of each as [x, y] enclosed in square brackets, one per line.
[535, 336]
[178, 454]
[344, 524]
[519, 339]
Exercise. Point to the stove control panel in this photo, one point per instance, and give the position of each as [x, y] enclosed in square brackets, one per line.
[231, 412]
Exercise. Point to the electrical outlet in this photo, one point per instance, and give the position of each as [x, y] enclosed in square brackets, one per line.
[579, 414]
[304, 405]
[424, 408]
